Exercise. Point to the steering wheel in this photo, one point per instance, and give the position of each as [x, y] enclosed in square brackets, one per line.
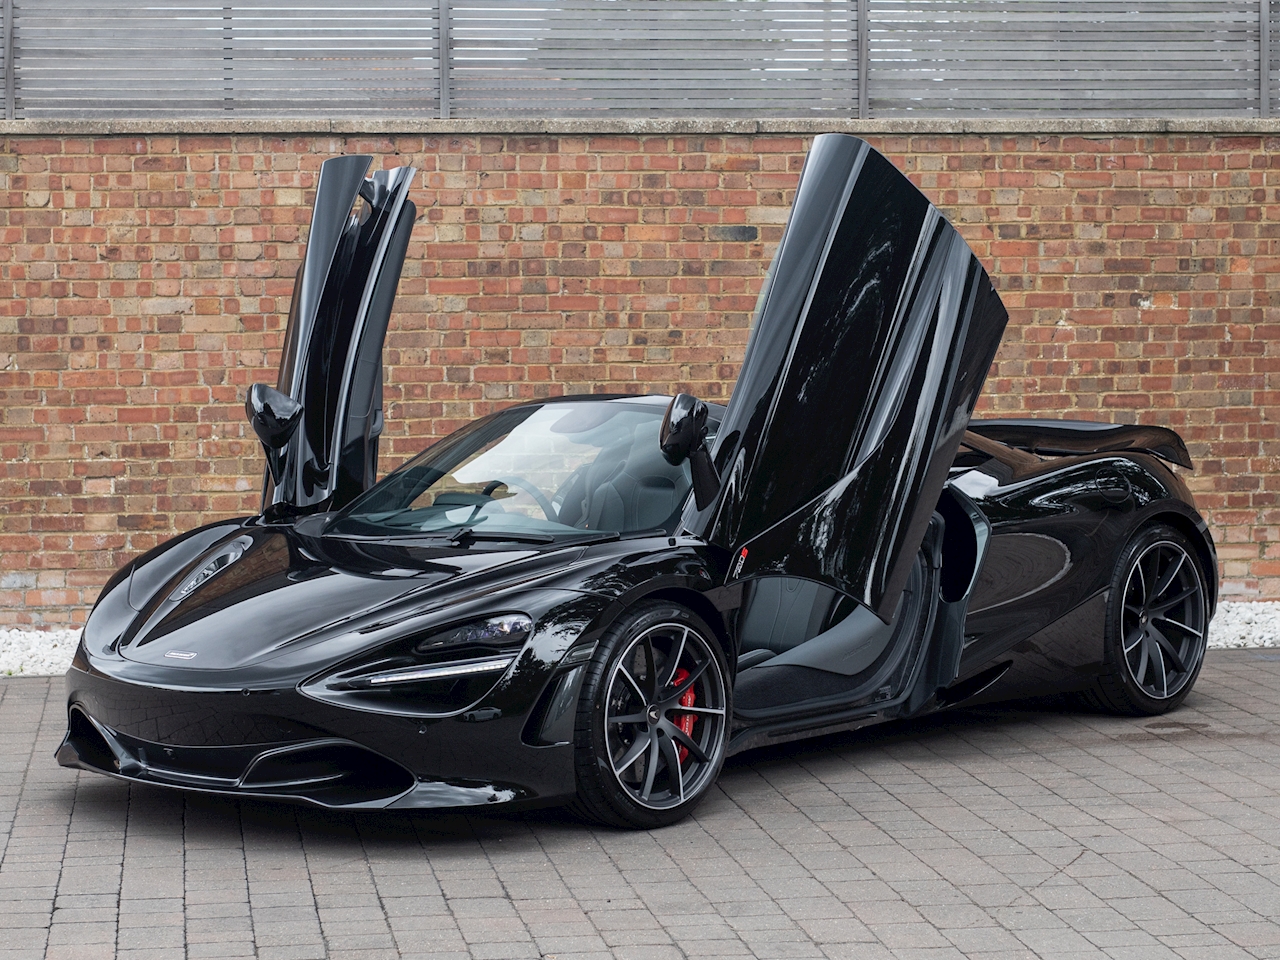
[539, 497]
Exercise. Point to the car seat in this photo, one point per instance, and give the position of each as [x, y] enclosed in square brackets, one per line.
[630, 485]
[782, 613]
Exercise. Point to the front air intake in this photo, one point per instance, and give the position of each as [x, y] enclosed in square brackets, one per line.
[85, 747]
[331, 772]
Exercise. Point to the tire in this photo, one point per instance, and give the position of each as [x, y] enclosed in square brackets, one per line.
[646, 752]
[1156, 633]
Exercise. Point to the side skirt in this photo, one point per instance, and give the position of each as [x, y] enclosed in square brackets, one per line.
[966, 689]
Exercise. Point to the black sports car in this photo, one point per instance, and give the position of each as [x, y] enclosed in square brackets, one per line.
[599, 598]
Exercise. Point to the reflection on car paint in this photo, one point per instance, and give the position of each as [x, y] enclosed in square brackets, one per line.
[863, 551]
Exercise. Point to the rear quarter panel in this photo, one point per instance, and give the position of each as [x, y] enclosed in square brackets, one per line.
[1057, 533]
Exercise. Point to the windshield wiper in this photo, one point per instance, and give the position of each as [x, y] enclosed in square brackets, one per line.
[471, 535]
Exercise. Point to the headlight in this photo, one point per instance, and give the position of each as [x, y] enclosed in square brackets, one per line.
[428, 674]
[503, 630]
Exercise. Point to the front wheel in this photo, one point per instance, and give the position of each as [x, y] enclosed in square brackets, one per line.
[653, 719]
[1157, 624]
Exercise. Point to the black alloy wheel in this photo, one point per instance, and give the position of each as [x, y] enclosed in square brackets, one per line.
[653, 719]
[1157, 624]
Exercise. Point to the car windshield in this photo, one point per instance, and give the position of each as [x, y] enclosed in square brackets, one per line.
[535, 473]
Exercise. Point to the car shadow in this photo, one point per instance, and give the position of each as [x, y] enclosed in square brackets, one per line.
[947, 723]
[233, 819]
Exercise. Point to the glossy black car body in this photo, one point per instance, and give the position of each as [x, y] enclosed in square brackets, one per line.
[853, 547]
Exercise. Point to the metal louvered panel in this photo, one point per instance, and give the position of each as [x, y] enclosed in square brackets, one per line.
[6, 58]
[1269, 57]
[561, 58]
[1108, 57]
[584, 57]
[192, 58]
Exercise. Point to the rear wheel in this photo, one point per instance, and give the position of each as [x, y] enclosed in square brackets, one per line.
[653, 719]
[1157, 624]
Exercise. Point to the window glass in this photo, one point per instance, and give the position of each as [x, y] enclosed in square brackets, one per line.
[546, 471]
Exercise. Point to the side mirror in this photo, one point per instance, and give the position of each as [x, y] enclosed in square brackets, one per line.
[684, 428]
[684, 437]
[274, 417]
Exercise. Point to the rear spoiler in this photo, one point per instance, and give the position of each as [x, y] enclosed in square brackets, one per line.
[1076, 437]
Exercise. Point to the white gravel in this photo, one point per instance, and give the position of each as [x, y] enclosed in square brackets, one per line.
[36, 653]
[47, 653]
[1245, 624]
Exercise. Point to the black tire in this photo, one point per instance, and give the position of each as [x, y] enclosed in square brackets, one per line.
[1156, 633]
[634, 723]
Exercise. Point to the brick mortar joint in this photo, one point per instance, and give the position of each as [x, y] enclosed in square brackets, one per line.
[1192, 347]
[675, 126]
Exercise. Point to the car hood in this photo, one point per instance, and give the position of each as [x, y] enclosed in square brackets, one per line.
[281, 589]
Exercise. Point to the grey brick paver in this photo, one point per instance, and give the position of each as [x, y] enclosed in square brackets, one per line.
[1001, 833]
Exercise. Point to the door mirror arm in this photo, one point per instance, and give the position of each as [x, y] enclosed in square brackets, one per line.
[274, 417]
[706, 482]
[684, 437]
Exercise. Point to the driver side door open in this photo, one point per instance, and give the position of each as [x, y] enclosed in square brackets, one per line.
[873, 339]
[808, 648]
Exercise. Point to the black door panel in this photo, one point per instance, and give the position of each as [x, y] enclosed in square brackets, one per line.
[332, 358]
[871, 346]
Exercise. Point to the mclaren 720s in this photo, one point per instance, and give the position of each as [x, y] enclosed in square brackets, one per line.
[596, 599]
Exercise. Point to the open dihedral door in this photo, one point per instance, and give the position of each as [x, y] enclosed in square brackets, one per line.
[873, 338]
[321, 428]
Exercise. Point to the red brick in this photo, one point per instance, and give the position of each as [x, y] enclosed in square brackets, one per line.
[1136, 272]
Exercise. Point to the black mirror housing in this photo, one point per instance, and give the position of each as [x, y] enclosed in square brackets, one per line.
[684, 428]
[274, 417]
[683, 436]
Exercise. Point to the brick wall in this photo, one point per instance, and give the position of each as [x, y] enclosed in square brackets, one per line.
[145, 278]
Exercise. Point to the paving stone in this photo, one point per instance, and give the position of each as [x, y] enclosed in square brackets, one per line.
[1006, 832]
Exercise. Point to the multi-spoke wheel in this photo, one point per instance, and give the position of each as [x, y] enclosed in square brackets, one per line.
[653, 718]
[1157, 624]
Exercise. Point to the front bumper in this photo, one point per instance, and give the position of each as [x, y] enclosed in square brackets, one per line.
[279, 744]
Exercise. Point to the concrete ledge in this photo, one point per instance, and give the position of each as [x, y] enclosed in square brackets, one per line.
[673, 126]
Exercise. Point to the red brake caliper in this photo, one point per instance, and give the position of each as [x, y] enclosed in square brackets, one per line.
[684, 720]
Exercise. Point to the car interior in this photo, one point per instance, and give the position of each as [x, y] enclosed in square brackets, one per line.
[628, 486]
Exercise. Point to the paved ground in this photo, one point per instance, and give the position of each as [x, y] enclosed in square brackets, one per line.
[1001, 833]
